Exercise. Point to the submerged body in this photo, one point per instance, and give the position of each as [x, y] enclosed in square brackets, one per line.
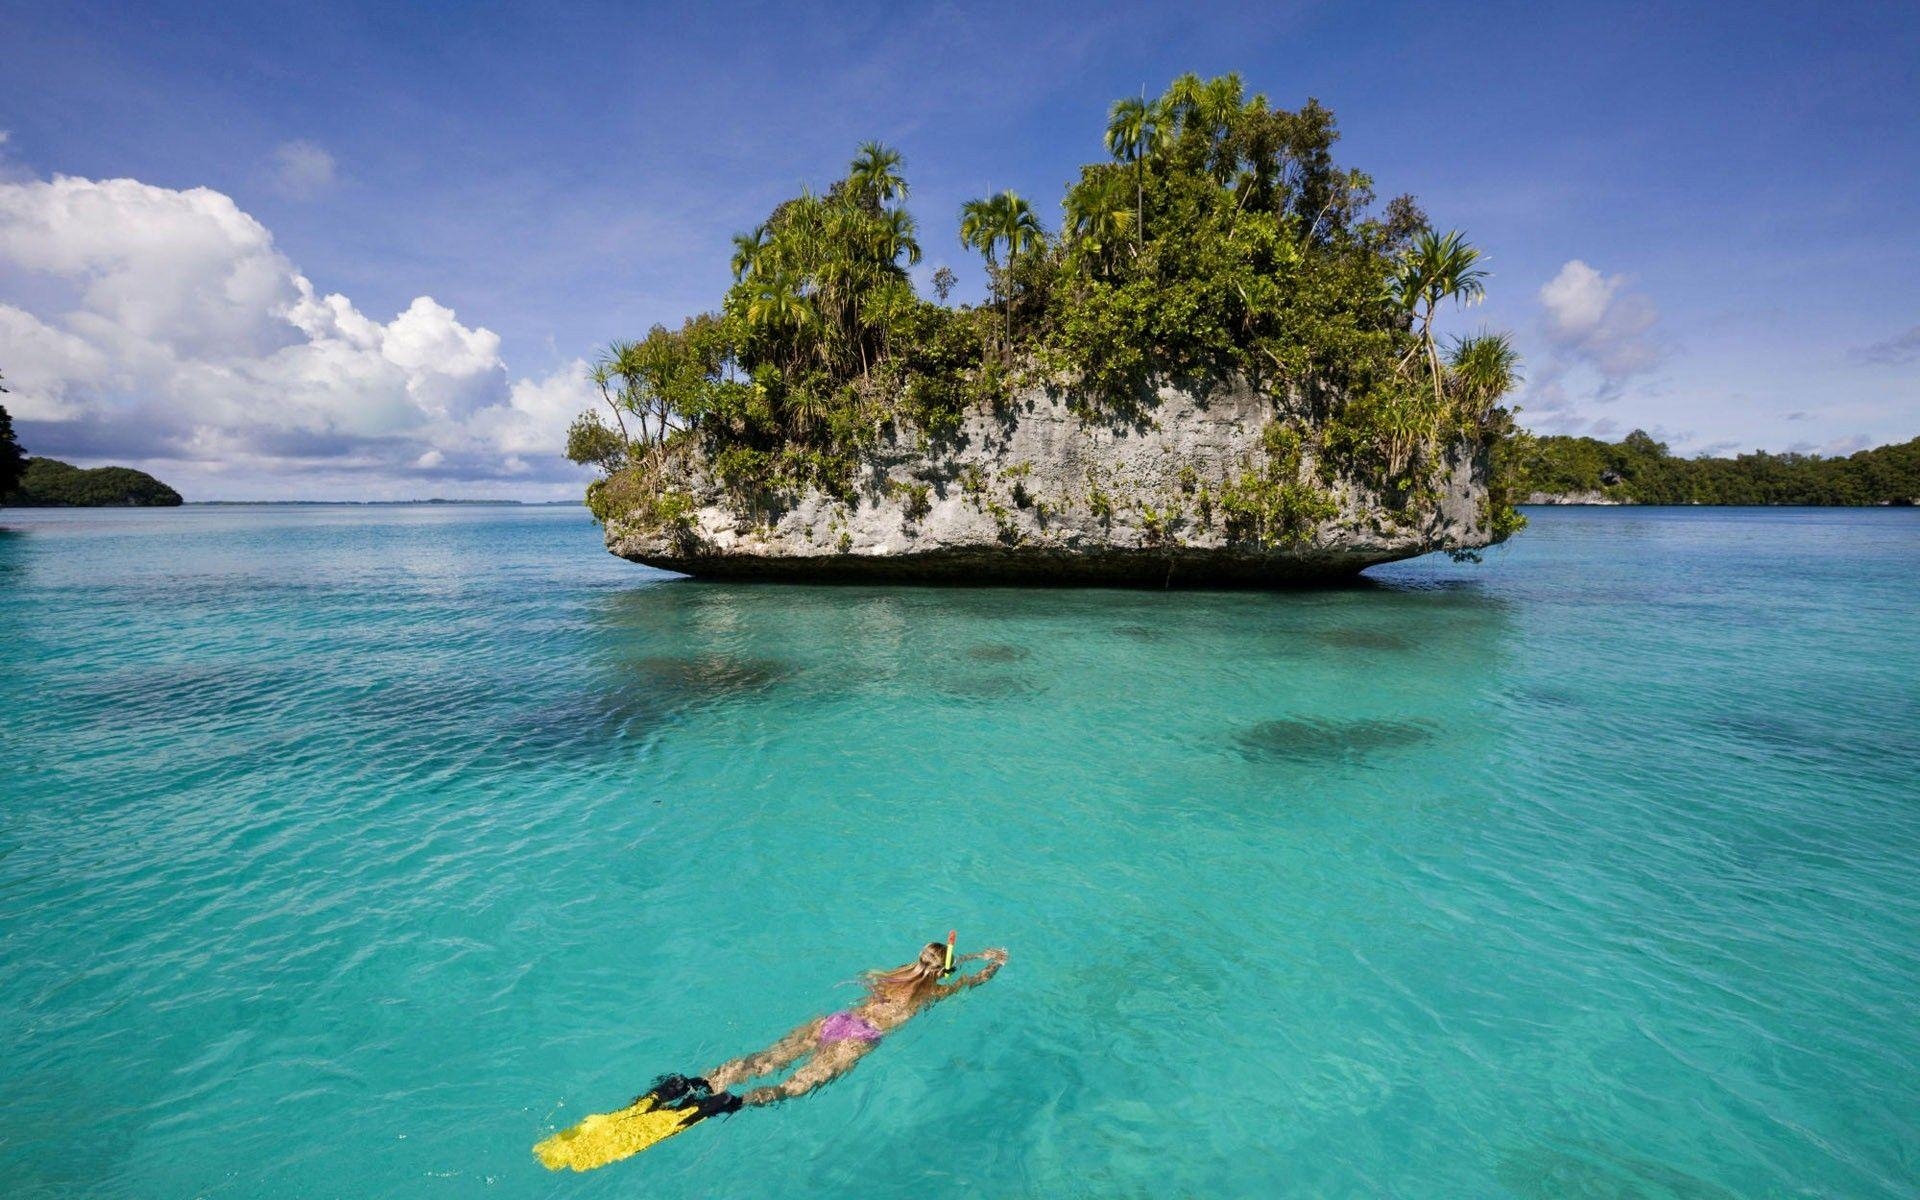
[832, 1044]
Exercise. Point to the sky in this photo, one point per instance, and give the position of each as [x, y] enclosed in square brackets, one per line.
[365, 251]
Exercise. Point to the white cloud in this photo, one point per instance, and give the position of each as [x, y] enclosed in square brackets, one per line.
[150, 324]
[535, 418]
[301, 169]
[1600, 337]
[1593, 320]
[45, 367]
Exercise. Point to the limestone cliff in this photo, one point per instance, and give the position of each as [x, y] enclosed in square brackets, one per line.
[1575, 498]
[1197, 491]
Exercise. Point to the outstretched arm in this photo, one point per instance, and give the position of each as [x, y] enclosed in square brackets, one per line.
[996, 958]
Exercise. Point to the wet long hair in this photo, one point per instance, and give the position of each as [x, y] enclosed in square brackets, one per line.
[908, 980]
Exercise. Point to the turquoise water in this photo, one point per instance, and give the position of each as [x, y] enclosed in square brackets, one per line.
[348, 852]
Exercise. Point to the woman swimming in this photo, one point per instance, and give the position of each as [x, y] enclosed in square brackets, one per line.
[832, 1044]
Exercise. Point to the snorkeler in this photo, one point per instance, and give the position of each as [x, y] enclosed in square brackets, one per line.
[838, 1041]
[830, 1044]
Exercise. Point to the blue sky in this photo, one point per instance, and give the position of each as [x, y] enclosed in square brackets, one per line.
[1700, 219]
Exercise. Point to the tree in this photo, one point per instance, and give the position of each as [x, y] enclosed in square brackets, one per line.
[1132, 128]
[943, 282]
[778, 304]
[1005, 220]
[874, 175]
[1098, 218]
[1483, 369]
[592, 444]
[746, 251]
[896, 237]
[1435, 269]
[13, 460]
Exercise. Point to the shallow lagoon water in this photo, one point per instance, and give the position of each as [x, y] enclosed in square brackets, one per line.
[350, 851]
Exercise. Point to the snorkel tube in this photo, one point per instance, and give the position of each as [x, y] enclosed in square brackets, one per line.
[952, 936]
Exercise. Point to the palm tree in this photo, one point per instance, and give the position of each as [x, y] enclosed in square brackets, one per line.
[779, 304]
[1483, 369]
[1004, 220]
[1434, 269]
[896, 237]
[746, 250]
[1132, 130]
[875, 174]
[1182, 102]
[1216, 109]
[978, 228]
[1097, 214]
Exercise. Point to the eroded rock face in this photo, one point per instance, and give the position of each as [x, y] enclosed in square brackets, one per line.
[1572, 498]
[1036, 494]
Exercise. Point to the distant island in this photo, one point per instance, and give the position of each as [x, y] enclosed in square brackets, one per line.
[1640, 470]
[50, 483]
[1224, 367]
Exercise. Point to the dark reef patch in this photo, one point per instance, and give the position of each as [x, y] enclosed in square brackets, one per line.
[998, 652]
[1319, 740]
[706, 676]
[641, 696]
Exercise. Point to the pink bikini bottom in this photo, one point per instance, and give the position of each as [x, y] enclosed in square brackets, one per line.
[845, 1026]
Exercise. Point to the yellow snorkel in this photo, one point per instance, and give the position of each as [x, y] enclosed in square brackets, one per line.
[953, 935]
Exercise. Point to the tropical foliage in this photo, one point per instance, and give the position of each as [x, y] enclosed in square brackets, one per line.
[48, 482]
[1217, 241]
[13, 460]
[1640, 470]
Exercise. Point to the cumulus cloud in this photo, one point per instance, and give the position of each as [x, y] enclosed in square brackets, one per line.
[301, 169]
[1600, 337]
[1595, 321]
[1894, 351]
[147, 323]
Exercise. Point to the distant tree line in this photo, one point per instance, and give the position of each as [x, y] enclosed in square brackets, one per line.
[1641, 470]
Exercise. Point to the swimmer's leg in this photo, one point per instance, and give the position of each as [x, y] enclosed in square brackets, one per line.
[768, 1061]
[827, 1064]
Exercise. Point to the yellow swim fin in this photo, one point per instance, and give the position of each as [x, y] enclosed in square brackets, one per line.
[609, 1137]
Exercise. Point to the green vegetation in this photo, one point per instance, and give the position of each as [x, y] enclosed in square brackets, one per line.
[13, 460]
[48, 482]
[1640, 470]
[1271, 504]
[1218, 243]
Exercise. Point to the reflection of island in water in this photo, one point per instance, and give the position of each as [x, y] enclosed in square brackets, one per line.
[50, 483]
[1345, 679]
